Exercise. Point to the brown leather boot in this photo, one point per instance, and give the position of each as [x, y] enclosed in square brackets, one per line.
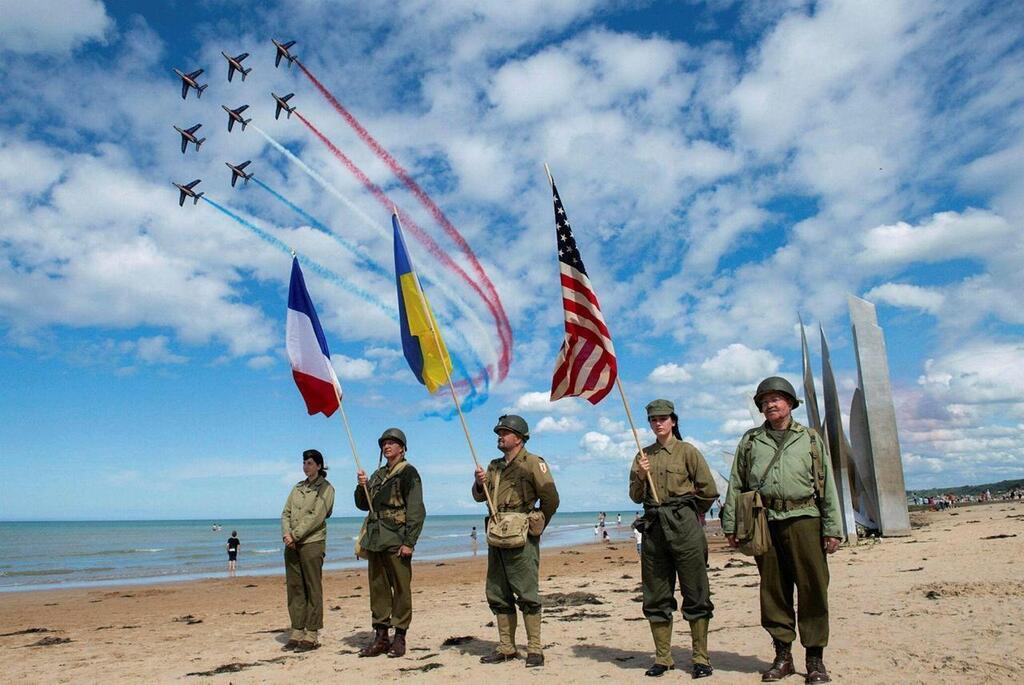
[380, 643]
[397, 644]
[816, 672]
[782, 666]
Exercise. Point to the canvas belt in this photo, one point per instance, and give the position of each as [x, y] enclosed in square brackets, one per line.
[784, 505]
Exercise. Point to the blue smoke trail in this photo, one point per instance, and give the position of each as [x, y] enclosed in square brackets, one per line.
[322, 271]
[315, 223]
[471, 401]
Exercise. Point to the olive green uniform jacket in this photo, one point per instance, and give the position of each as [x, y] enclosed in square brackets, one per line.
[789, 488]
[398, 508]
[513, 575]
[306, 511]
[677, 469]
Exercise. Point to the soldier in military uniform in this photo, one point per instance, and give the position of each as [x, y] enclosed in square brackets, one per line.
[304, 533]
[522, 479]
[674, 544]
[784, 462]
[391, 532]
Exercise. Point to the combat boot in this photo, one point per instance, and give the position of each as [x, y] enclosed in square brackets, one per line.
[397, 644]
[662, 634]
[699, 640]
[782, 666]
[816, 672]
[534, 650]
[380, 643]
[506, 649]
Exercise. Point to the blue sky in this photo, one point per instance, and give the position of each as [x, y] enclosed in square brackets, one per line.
[724, 165]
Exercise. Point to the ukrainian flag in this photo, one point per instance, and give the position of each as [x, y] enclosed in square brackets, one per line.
[421, 338]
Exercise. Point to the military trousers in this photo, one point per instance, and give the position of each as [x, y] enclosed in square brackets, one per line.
[303, 572]
[673, 547]
[796, 560]
[513, 578]
[390, 579]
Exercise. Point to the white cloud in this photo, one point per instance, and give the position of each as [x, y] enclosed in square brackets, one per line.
[350, 369]
[979, 373]
[262, 361]
[565, 424]
[154, 351]
[541, 402]
[906, 295]
[738, 364]
[45, 27]
[669, 373]
[945, 236]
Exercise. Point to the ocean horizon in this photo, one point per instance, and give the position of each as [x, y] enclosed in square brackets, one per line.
[46, 555]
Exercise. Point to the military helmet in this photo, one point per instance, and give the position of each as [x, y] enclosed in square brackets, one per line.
[516, 424]
[393, 434]
[775, 384]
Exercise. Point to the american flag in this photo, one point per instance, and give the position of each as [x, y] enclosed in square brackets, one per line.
[586, 363]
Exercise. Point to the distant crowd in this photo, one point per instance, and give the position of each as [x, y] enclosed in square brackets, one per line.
[943, 502]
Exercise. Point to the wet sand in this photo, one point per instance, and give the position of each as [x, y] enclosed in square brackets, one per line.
[943, 605]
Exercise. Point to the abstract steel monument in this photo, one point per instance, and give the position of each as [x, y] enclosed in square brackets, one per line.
[877, 442]
[836, 449]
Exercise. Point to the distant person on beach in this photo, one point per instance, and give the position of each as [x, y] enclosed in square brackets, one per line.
[618, 519]
[304, 532]
[516, 481]
[604, 535]
[788, 465]
[233, 544]
[673, 540]
[639, 537]
[472, 534]
[392, 529]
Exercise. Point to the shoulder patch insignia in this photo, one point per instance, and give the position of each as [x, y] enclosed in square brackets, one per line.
[543, 467]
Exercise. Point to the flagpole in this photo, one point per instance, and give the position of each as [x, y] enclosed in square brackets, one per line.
[352, 442]
[447, 371]
[622, 393]
[636, 436]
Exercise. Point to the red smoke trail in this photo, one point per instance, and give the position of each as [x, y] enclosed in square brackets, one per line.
[436, 250]
[504, 328]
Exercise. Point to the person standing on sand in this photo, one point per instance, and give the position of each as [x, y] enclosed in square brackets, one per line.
[392, 530]
[304, 532]
[517, 480]
[783, 461]
[233, 544]
[673, 540]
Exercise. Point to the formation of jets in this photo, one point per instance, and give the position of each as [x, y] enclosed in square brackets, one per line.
[237, 172]
[187, 190]
[236, 115]
[235, 64]
[189, 136]
[282, 104]
[191, 81]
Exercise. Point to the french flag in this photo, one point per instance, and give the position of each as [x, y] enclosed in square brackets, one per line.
[307, 350]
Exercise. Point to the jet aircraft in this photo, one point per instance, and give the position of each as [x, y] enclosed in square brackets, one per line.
[188, 190]
[235, 63]
[282, 103]
[190, 81]
[189, 136]
[236, 115]
[282, 51]
[236, 172]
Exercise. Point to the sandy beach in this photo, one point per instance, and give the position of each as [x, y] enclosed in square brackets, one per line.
[943, 605]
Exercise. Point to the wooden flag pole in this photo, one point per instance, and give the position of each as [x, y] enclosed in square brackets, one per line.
[352, 443]
[622, 393]
[636, 436]
[447, 371]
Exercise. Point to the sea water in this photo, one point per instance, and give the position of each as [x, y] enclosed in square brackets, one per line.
[41, 555]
